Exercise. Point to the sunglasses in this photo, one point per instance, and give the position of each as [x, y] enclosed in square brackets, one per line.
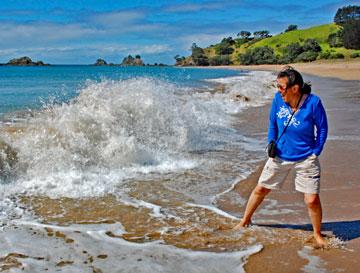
[281, 87]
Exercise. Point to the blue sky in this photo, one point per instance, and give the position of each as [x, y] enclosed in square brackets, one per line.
[80, 31]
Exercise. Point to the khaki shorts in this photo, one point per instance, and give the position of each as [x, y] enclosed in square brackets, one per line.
[307, 179]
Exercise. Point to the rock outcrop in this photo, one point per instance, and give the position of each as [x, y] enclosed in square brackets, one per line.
[25, 61]
[131, 61]
[100, 62]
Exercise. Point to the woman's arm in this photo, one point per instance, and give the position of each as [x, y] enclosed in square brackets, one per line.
[321, 128]
[273, 129]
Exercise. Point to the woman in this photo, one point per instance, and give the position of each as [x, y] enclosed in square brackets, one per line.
[294, 116]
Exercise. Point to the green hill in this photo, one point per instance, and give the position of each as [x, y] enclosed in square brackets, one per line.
[280, 41]
[319, 33]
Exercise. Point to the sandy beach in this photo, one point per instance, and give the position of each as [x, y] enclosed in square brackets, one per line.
[340, 69]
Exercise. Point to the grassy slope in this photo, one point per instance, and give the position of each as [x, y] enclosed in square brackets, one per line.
[278, 42]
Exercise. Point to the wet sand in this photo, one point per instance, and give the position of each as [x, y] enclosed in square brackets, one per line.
[340, 191]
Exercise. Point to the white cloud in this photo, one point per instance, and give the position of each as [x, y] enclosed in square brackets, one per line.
[192, 7]
[116, 19]
[153, 49]
[123, 22]
[20, 34]
[44, 34]
[202, 40]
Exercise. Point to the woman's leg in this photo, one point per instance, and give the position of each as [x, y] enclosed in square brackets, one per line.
[313, 203]
[255, 199]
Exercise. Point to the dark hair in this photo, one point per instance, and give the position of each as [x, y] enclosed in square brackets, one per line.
[294, 77]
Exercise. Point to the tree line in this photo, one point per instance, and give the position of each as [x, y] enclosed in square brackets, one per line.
[223, 50]
[348, 36]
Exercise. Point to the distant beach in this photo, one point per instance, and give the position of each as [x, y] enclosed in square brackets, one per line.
[340, 69]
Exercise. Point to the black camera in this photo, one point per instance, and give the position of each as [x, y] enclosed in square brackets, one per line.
[271, 149]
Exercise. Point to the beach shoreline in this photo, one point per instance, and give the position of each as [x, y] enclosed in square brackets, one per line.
[339, 69]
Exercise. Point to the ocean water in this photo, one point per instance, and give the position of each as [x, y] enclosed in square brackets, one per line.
[32, 87]
[148, 149]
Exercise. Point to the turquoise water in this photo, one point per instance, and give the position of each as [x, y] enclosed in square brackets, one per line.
[24, 88]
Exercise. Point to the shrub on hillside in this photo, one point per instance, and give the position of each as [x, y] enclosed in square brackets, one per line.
[324, 55]
[307, 56]
[258, 55]
[284, 60]
[296, 52]
[246, 58]
[337, 56]
[311, 45]
[264, 55]
[198, 55]
[335, 39]
[223, 49]
[201, 61]
[355, 55]
[225, 46]
[291, 28]
[240, 41]
[291, 51]
[220, 60]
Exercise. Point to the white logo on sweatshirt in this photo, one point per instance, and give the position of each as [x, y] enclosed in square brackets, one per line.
[285, 113]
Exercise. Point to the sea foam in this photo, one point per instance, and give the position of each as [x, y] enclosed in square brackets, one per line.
[114, 131]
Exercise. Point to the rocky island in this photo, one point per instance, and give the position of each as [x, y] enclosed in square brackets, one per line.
[100, 62]
[25, 61]
[131, 61]
[127, 61]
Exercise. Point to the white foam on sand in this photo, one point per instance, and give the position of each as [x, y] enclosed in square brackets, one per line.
[315, 263]
[157, 211]
[214, 209]
[271, 208]
[121, 256]
[236, 199]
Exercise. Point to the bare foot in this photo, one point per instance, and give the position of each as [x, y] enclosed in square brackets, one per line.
[320, 241]
[241, 225]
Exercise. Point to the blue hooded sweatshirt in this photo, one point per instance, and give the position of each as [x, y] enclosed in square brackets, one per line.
[306, 133]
